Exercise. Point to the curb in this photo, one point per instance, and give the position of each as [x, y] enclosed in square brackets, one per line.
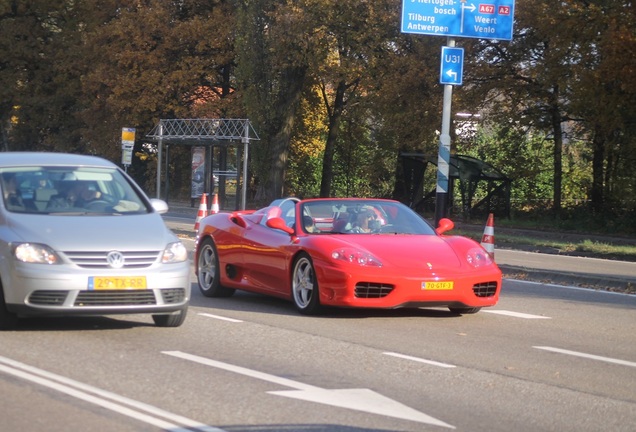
[598, 282]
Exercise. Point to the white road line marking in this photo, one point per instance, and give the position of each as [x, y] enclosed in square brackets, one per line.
[421, 360]
[360, 399]
[514, 314]
[99, 397]
[589, 356]
[219, 317]
[241, 370]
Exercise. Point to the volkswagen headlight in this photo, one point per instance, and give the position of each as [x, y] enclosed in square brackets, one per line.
[174, 253]
[35, 253]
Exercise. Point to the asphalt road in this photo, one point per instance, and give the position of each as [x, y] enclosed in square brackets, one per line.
[545, 358]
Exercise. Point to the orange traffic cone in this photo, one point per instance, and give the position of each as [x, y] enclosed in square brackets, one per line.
[488, 240]
[215, 205]
[203, 211]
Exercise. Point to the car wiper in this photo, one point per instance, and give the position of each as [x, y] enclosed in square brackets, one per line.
[76, 213]
[73, 213]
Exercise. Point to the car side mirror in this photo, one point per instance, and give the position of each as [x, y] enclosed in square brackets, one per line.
[279, 224]
[444, 225]
[160, 206]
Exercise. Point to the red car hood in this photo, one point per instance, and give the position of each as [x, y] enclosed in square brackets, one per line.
[409, 251]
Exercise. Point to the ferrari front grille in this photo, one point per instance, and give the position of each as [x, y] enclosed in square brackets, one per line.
[485, 289]
[372, 290]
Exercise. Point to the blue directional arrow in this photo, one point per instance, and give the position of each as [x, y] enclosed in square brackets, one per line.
[452, 66]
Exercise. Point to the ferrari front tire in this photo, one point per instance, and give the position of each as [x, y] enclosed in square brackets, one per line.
[464, 310]
[305, 286]
[209, 273]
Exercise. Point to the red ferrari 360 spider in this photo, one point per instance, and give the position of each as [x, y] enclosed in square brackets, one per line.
[349, 252]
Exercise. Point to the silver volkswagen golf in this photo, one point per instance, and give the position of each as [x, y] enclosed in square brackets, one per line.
[79, 237]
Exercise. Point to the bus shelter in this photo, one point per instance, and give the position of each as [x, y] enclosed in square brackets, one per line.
[207, 133]
[471, 174]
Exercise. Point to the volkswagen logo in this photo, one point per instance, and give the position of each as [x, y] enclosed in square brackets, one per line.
[115, 259]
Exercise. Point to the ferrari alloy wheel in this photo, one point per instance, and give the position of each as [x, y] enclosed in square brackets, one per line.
[209, 273]
[305, 286]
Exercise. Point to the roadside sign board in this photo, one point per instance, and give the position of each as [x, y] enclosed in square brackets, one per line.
[488, 19]
[128, 136]
[452, 66]
[127, 145]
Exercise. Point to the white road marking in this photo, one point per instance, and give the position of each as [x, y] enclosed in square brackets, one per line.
[120, 404]
[589, 356]
[514, 314]
[421, 360]
[356, 399]
[219, 317]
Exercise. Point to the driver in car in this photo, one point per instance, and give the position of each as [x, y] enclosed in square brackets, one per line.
[366, 222]
[78, 195]
[85, 194]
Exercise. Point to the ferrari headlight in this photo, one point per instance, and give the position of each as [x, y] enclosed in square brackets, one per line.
[174, 252]
[478, 257]
[355, 256]
[35, 253]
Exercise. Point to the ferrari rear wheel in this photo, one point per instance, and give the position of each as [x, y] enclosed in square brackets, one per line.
[209, 273]
[464, 310]
[305, 286]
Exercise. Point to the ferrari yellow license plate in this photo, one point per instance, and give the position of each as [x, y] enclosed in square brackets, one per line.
[437, 286]
[117, 282]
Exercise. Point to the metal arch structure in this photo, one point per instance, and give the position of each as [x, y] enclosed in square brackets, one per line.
[204, 132]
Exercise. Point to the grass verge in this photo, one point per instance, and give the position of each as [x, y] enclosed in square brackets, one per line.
[582, 247]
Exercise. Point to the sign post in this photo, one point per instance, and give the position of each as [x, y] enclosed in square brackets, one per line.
[492, 19]
[443, 157]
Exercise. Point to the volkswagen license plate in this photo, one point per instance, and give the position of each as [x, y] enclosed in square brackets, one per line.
[117, 282]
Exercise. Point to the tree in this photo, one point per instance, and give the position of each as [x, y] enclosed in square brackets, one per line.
[606, 96]
[333, 89]
[272, 68]
[560, 70]
[343, 58]
[40, 74]
[344, 48]
[164, 60]
[528, 78]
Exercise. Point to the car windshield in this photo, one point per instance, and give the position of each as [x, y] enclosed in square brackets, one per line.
[362, 217]
[69, 190]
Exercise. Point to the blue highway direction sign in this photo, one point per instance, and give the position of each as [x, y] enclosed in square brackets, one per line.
[487, 19]
[452, 67]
